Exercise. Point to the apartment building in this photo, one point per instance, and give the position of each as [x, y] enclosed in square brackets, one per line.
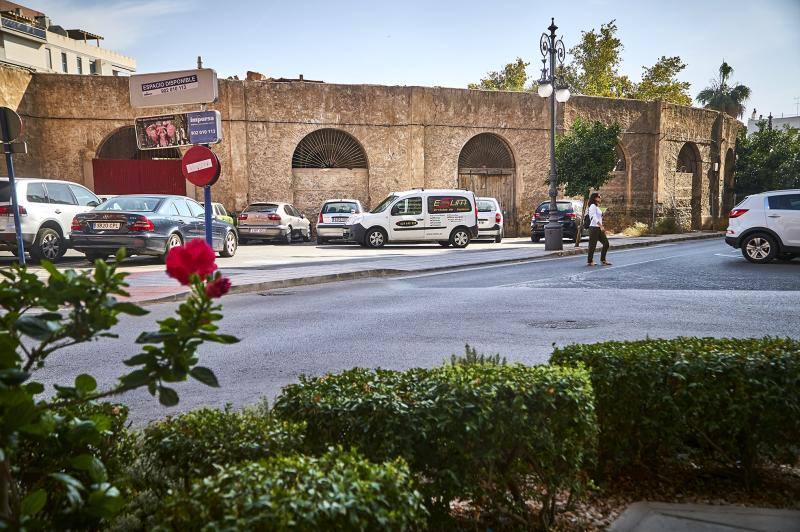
[29, 39]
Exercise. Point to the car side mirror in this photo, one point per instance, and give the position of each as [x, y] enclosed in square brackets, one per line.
[92, 204]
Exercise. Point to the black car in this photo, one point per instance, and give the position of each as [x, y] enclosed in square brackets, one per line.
[148, 224]
[569, 212]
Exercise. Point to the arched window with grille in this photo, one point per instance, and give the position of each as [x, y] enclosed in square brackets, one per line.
[329, 148]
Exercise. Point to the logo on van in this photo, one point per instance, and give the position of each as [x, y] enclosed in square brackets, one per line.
[406, 223]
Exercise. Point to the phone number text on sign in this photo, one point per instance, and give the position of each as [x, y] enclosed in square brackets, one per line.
[169, 85]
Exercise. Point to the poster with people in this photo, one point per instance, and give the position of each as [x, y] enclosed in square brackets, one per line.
[158, 132]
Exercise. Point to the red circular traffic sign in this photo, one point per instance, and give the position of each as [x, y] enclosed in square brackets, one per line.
[13, 124]
[200, 166]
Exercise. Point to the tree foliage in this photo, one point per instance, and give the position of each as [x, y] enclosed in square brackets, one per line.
[585, 156]
[768, 159]
[722, 96]
[513, 77]
[660, 82]
[596, 60]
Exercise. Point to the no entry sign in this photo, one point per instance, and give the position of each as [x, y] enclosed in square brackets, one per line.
[200, 166]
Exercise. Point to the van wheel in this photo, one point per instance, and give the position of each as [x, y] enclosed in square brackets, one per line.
[375, 238]
[444, 243]
[759, 248]
[48, 245]
[459, 238]
[498, 239]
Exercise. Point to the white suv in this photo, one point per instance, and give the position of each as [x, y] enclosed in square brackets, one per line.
[46, 209]
[490, 219]
[766, 226]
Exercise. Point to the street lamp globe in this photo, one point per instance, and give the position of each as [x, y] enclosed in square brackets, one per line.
[545, 90]
[562, 95]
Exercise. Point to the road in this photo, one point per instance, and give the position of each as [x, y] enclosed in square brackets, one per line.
[701, 288]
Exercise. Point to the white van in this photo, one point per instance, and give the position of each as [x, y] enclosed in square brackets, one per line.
[448, 216]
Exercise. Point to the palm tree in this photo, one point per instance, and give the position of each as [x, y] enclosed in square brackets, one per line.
[722, 97]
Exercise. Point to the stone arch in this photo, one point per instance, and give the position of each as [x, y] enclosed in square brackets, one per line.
[486, 166]
[329, 163]
[120, 144]
[621, 164]
[689, 162]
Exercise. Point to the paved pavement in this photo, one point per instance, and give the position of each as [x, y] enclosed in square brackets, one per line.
[520, 310]
[259, 267]
[662, 517]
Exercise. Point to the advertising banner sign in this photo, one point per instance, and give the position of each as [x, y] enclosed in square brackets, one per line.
[174, 88]
[179, 129]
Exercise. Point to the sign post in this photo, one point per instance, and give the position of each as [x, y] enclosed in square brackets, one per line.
[200, 166]
[11, 128]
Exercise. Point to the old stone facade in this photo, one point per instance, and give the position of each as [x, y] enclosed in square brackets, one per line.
[673, 160]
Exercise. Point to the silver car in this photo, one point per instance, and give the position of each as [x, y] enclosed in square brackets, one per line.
[333, 218]
[46, 207]
[273, 221]
[490, 219]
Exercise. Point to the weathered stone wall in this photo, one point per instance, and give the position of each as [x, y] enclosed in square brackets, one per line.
[412, 137]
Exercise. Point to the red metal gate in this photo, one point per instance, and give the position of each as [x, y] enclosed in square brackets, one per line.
[122, 176]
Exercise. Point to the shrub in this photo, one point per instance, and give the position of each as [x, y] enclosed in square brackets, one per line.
[190, 445]
[637, 229]
[730, 402]
[496, 434]
[471, 356]
[666, 226]
[337, 491]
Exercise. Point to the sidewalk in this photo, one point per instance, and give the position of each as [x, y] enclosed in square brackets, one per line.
[663, 517]
[153, 285]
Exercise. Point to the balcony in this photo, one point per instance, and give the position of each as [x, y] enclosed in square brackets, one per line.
[22, 28]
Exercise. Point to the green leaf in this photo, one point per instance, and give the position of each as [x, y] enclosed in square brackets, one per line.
[154, 337]
[36, 328]
[167, 396]
[141, 358]
[204, 375]
[33, 503]
[67, 480]
[82, 461]
[66, 391]
[130, 308]
[13, 376]
[137, 378]
[85, 383]
[120, 255]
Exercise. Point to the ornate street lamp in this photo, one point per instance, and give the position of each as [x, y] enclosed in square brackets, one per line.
[553, 87]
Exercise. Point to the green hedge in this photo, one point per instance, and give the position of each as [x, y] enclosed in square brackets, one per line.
[494, 434]
[191, 444]
[337, 491]
[730, 402]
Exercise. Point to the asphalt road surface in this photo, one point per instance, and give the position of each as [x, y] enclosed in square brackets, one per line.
[699, 288]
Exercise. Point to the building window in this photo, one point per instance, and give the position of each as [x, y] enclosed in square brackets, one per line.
[80, 65]
[92, 67]
[64, 62]
[115, 72]
[49, 54]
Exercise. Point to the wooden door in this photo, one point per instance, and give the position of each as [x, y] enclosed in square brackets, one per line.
[494, 185]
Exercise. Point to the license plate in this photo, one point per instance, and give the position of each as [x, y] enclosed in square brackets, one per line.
[106, 225]
[340, 219]
[258, 230]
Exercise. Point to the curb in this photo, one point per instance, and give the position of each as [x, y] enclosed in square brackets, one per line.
[389, 272]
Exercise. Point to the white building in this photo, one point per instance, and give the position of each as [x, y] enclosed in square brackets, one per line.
[777, 123]
[28, 39]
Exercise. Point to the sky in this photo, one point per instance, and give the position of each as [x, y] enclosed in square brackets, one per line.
[446, 43]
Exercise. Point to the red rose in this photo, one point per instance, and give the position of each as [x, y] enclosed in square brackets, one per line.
[218, 287]
[194, 257]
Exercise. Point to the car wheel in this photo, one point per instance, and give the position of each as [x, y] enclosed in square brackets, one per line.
[47, 246]
[535, 238]
[229, 245]
[459, 238]
[375, 238]
[173, 241]
[759, 248]
[498, 239]
[444, 243]
[307, 236]
[287, 239]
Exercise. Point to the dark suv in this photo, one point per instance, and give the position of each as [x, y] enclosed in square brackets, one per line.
[569, 212]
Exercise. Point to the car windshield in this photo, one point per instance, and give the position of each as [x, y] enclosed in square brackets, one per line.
[485, 206]
[131, 203]
[262, 207]
[340, 207]
[384, 204]
[563, 206]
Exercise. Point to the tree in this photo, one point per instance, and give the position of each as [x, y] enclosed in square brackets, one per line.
[768, 159]
[585, 158]
[513, 77]
[594, 69]
[723, 97]
[659, 82]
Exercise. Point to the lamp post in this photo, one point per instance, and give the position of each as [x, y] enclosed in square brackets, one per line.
[551, 86]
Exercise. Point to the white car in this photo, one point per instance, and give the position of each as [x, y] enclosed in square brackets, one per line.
[333, 217]
[766, 226]
[446, 216]
[490, 219]
[46, 208]
[273, 221]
